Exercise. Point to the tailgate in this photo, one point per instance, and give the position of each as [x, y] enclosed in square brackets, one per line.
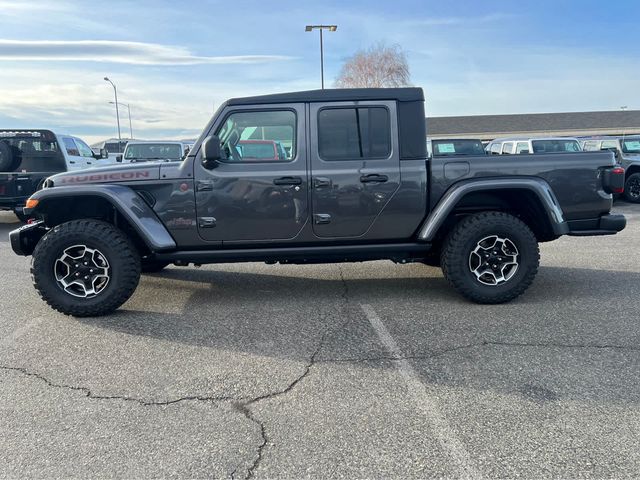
[7, 185]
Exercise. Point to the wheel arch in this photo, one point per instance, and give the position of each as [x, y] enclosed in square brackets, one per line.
[116, 204]
[631, 170]
[530, 199]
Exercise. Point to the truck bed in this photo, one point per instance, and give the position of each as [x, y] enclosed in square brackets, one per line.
[575, 178]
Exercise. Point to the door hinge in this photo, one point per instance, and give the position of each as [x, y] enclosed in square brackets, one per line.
[206, 222]
[204, 185]
[321, 218]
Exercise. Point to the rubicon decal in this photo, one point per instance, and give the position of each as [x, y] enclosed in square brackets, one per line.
[107, 177]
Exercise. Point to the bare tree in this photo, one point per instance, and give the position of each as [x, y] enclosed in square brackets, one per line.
[377, 66]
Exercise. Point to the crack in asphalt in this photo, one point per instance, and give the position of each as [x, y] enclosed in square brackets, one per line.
[475, 345]
[241, 404]
[93, 396]
[244, 407]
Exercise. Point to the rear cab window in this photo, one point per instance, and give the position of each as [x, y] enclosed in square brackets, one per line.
[34, 151]
[559, 145]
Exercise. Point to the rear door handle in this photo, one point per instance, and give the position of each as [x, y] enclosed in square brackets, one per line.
[288, 181]
[374, 177]
[320, 182]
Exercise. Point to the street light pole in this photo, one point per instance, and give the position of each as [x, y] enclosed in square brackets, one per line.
[331, 28]
[115, 93]
[128, 105]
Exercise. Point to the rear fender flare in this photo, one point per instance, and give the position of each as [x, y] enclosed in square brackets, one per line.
[125, 200]
[452, 197]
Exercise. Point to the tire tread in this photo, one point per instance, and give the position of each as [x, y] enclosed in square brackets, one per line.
[454, 256]
[106, 232]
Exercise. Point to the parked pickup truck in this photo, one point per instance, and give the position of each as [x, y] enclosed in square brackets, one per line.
[28, 157]
[627, 151]
[355, 184]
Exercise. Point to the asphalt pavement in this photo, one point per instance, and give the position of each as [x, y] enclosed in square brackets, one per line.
[369, 370]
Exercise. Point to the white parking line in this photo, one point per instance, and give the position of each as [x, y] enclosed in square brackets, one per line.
[425, 402]
[18, 332]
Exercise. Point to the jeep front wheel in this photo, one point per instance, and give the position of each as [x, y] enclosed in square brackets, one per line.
[490, 257]
[85, 268]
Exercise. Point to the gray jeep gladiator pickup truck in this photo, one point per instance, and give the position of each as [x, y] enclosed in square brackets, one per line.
[354, 183]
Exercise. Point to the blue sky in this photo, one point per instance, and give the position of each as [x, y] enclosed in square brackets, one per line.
[173, 62]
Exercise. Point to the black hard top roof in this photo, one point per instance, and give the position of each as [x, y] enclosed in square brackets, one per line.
[408, 94]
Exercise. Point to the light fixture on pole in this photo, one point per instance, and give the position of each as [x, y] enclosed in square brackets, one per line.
[128, 105]
[115, 93]
[331, 28]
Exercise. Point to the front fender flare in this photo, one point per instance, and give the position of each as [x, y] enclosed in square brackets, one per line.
[125, 200]
[450, 199]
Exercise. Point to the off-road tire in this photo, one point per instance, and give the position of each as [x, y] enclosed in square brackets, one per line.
[631, 193]
[121, 254]
[152, 266]
[464, 238]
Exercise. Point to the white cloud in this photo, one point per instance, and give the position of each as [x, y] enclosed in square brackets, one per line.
[470, 20]
[138, 53]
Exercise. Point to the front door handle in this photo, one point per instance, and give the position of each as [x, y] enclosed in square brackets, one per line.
[374, 177]
[288, 181]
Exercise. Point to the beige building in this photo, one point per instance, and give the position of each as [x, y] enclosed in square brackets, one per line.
[575, 124]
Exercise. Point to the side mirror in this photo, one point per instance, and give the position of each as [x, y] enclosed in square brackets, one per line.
[118, 158]
[211, 152]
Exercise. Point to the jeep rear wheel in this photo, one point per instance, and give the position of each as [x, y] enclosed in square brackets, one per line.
[85, 268]
[490, 257]
[632, 188]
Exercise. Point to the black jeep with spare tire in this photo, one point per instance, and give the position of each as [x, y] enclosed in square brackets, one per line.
[354, 184]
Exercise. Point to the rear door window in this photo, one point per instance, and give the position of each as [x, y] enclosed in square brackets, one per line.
[507, 147]
[71, 147]
[76, 160]
[354, 133]
[522, 147]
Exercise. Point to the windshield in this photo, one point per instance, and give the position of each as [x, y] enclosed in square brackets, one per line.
[153, 151]
[457, 147]
[555, 146]
[257, 150]
[631, 145]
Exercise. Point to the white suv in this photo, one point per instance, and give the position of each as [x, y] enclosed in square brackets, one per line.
[520, 145]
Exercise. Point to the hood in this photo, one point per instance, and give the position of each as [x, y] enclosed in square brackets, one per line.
[111, 174]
